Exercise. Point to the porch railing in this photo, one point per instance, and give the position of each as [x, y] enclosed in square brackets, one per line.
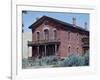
[43, 42]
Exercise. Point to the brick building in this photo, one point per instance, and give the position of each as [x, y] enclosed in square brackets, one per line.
[54, 37]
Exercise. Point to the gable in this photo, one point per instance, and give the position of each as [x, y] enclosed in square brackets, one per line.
[61, 24]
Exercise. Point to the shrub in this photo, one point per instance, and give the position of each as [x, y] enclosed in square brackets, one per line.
[73, 60]
[51, 60]
[86, 58]
[54, 61]
[24, 63]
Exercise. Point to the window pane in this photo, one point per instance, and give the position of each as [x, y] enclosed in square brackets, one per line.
[46, 32]
[68, 35]
[55, 34]
[38, 36]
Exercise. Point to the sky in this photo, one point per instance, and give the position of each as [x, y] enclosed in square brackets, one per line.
[30, 17]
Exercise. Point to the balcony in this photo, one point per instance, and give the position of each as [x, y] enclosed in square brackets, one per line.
[43, 42]
[85, 42]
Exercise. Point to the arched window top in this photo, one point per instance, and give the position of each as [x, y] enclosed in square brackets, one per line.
[54, 29]
[45, 27]
[45, 30]
[37, 31]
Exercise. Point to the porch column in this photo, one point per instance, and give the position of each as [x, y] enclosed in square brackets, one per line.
[38, 51]
[56, 49]
[27, 51]
[45, 50]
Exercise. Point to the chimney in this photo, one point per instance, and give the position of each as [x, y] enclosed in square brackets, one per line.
[85, 25]
[74, 21]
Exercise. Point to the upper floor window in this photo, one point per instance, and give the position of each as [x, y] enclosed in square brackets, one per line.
[69, 35]
[77, 36]
[55, 34]
[37, 36]
[69, 49]
[46, 33]
[77, 50]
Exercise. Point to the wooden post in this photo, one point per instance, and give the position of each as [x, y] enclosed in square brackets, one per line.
[45, 51]
[27, 51]
[55, 49]
[38, 51]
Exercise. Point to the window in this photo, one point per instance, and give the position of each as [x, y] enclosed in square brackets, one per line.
[77, 36]
[69, 36]
[77, 50]
[46, 33]
[68, 49]
[55, 34]
[37, 36]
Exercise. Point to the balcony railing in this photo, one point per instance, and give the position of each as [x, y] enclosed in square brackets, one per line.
[30, 43]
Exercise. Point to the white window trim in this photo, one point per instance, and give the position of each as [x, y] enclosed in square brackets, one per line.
[46, 27]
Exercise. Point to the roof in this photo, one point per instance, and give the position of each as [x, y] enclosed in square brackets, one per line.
[65, 24]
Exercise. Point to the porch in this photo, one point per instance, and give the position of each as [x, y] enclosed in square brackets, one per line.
[44, 48]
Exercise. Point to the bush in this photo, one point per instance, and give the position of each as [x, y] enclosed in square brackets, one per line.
[54, 61]
[73, 60]
[24, 63]
[51, 60]
[86, 58]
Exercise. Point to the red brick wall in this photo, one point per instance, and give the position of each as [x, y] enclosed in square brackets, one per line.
[62, 34]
